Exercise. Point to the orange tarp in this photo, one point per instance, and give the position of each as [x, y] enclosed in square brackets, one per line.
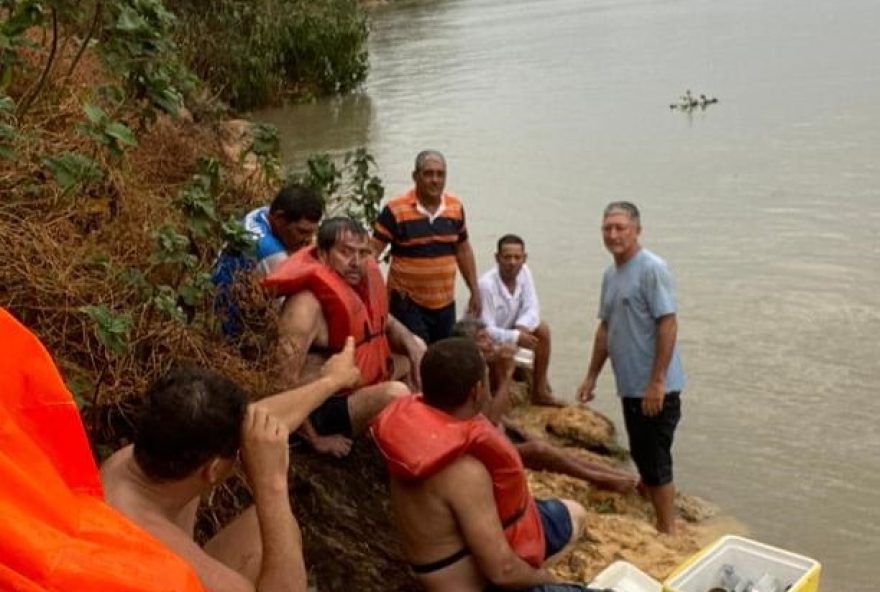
[56, 532]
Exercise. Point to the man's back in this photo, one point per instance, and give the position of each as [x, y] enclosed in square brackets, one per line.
[424, 512]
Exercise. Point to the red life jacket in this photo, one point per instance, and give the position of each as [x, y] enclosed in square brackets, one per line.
[347, 312]
[418, 440]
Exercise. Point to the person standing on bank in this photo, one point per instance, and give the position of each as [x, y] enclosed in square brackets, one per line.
[637, 330]
[426, 230]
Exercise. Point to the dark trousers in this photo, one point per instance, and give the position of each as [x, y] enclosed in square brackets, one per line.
[428, 323]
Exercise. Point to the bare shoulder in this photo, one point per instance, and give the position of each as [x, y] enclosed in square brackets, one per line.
[461, 478]
[300, 315]
[299, 303]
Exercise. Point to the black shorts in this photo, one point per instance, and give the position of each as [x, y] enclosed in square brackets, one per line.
[650, 438]
[332, 417]
[429, 324]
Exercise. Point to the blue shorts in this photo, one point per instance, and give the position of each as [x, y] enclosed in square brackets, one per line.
[556, 521]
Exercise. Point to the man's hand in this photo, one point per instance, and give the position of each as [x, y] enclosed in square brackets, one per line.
[335, 445]
[341, 367]
[652, 399]
[264, 451]
[527, 340]
[587, 390]
[475, 304]
[415, 349]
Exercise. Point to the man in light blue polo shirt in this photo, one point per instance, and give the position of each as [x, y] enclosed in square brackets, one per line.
[638, 330]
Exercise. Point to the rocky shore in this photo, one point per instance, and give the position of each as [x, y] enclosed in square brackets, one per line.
[350, 544]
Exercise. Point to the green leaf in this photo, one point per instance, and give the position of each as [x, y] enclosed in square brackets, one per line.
[72, 170]
[95, 114]
[121, 133]
[111, 330]
[165, 301]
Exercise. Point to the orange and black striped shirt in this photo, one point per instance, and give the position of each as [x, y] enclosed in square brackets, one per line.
[422, 247]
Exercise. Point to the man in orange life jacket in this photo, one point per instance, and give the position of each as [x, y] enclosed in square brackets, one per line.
[335, 289]
[459, 494]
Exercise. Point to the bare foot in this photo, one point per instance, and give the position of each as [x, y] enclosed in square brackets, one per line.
[547, 400]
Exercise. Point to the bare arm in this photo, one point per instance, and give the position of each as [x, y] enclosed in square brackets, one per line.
[469, 493]
[464, 256]
[297, 328]
[293, 406]
[667, 330]
[378, 246]
[403, 341]
[266, 460]
[501, 370]
[597, 361]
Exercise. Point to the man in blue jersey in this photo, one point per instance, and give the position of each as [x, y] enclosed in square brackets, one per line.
[637, 330]
[278, 230]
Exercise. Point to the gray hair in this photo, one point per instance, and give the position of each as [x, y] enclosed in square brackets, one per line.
[467, 327]
[627, 207]
[424, 155]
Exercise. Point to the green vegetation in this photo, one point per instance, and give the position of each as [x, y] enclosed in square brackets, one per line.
[252, 52]
[115, 207]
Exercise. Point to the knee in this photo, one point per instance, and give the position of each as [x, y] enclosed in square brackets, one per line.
[395, 389]
[542, 331]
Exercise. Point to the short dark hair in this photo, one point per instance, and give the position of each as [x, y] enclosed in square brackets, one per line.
[449, 370]
[296, 201]
[510, 239]
[627, 207]
[467, 327]
[190, 415]
[332, 228]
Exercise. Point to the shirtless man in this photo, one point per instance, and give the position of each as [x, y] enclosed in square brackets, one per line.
[537, 454]
[458, 489]
[335, 289]
[194, 424]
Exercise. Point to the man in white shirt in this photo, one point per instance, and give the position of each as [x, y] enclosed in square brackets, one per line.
[512, 314]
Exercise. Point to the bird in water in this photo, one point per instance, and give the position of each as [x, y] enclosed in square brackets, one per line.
[704, 101]
[687, 102]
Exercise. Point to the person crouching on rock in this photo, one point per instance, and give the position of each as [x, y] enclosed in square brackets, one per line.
[459, 494]
[335, 289]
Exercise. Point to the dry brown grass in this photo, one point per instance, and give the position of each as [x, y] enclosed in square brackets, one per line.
[63, 252]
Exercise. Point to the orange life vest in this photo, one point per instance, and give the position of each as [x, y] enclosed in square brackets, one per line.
[418, 440]
[345, 310]
[56, 532]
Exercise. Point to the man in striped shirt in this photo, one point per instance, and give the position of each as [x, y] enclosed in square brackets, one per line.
[426, 230]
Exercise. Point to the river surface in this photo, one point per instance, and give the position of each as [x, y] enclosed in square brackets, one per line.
[766, 206]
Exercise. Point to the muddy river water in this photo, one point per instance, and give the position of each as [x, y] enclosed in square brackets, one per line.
[766, 205]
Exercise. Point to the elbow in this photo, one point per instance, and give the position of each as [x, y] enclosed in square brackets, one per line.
[502, 573]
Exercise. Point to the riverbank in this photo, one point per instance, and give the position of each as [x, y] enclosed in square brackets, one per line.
[114, 212]
[619, 526]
